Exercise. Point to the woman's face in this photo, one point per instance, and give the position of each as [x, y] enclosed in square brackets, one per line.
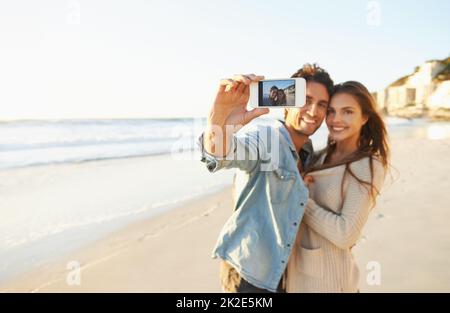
[344, 118]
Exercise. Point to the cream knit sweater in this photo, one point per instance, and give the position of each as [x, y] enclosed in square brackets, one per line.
[321, 259]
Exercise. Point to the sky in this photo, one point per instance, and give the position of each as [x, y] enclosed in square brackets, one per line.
[148, 59]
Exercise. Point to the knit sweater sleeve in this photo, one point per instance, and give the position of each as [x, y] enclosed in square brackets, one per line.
[344, 229]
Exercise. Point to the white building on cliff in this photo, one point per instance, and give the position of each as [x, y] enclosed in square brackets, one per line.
[426, 91]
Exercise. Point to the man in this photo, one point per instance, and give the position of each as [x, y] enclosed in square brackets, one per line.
[256, 241]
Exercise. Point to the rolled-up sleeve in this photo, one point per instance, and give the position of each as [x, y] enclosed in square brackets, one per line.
[245, 153]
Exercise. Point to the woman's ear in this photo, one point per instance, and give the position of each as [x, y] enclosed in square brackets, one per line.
[365, 119]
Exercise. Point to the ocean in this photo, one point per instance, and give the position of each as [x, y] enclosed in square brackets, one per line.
[41, 142]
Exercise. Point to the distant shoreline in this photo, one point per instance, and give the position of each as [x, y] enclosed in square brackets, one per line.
[438, 115]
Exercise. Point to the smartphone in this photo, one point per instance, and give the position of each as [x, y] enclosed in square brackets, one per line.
[278, 93]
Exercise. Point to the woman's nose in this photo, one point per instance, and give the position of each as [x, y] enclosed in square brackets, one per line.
[334, 118]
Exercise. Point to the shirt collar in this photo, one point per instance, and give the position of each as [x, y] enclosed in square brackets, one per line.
[305, 152]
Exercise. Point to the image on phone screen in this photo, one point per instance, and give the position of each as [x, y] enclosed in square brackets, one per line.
[277, 92]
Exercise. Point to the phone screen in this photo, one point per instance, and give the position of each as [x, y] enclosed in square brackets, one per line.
[272, 93]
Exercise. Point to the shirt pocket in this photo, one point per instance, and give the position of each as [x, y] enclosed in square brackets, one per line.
[281, 183]
[311, 262]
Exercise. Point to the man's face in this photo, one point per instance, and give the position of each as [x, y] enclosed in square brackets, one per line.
[307, 119]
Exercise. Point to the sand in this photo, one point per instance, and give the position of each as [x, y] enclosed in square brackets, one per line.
[407, 236]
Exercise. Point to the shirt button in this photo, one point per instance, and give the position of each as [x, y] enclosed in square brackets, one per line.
[282, 262]
[302, 204]
[288, 245]
[295, 224]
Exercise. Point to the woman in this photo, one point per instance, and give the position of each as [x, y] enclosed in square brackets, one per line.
[344, 180]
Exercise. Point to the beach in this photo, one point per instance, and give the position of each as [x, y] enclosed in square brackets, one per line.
[407, 239]
[169, 253]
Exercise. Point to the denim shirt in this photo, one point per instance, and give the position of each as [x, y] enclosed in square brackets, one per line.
[270, 197]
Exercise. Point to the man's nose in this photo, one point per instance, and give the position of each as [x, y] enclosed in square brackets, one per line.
[313, 109]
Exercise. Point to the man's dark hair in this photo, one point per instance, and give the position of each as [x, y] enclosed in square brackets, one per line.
[314, 73]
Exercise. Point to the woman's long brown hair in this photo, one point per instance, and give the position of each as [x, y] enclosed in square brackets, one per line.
[372, 143]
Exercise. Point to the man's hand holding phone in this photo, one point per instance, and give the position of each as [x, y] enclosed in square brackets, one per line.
[229, 113]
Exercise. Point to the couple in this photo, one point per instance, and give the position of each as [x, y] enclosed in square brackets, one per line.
[277, 97]
[296, 220]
